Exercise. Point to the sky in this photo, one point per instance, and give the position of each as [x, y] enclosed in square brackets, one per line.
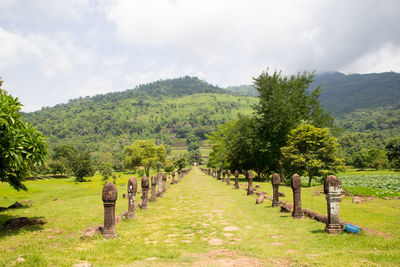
[53, 51]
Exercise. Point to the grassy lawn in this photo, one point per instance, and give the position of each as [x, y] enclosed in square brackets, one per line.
[199, 221]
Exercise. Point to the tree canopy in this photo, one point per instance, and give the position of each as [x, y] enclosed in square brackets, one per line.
[22, 146]
[146, 154]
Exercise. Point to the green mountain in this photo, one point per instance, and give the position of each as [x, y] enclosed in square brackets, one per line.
[164, 110]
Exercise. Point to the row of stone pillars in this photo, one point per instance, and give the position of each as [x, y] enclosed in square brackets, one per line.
[110, 195]
[332, 190]
[225, 173]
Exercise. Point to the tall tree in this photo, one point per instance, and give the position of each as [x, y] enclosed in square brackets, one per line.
[311, 151]
[22, 147]
[284, 104]
[146, 154]
[82, 165]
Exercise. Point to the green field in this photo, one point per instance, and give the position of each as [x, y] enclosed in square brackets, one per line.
[188, 227]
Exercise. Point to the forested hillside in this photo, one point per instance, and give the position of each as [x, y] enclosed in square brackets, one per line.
[162, 110]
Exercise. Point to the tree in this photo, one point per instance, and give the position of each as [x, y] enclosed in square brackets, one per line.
[22, 146]
[393, 152]
[180, 163]
[284, 104]
[195, 157]
[361, 159]
[56, 166]
[311, 151]
[64, 154]
[106, 170]
[144, 153]
[82, 165]
[377, 158]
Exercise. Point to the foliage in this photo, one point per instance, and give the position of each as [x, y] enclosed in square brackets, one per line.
[311, 151]
[22, 146]
[56, 166]
[195, 157]
[393, 152]
[180, 163]
[82, 165]
[169, 167]
[371, 158]
[106, 170]
[284, 103]
[144, 153]
[372, 184]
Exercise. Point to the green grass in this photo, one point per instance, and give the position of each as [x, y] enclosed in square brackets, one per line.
[177, 228]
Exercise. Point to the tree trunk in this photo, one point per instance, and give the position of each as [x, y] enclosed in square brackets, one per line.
[309, 181]
[147, 169]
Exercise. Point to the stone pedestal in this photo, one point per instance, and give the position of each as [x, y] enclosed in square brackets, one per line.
[179, 175]
[164, 182]
[159, 185]
[218, 174]
[109, 196]
[228, 181]
[276, 180]
[250, 177]
[173, 177]
[153, 196]
[145, 192]
[223, 175]
[295, 183]
[132, 189]
[236, 179]
[333, 192]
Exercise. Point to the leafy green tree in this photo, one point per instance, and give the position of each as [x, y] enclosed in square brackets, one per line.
[377, 158]
[393, 152]
[106, 170]
[311, 151]
[180, 163]
[169, 167]
[82, 165]
[361, 159]
[195, 157]
[146, 154]
[65, 155]
[284, 104]
[22, 147]
[56, 166]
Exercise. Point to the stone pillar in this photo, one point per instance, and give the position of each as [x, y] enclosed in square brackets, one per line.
[333, 192]
[276, 180]
[153, 196]
[228, 181]
[145, 192]
[159, 185]
[295, 183]
[236, 179]
[250, 177]
[132, 189]
[164, 182]
[218, 174]
[109, 196]
[223, 175]
[173, 177]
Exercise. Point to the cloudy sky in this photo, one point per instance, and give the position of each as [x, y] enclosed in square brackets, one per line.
[53, 51]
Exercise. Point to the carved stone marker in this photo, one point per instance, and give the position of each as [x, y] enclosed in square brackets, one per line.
[164, 182]
[153, 196]
[250, 176]
[145, 192]
[333, 191]
[276, 180]
[109, 196]
[236, 179]
[218, 174]
[179, 175]
[173, 177]
[228, 181]
[223, 175]
[159, 185]
[295, 183]
[132, 189]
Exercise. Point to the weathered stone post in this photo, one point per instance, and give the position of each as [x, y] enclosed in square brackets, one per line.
[159, 185]
[132, 189]
[333, 191]
[109, 196]
[295, 183]
[145, 192]
[179, 175]
[218, 174]
[228, 181]
[276, 180]
[250, 177]
[164, 182]
[153, 196]
[173, 177]
[214, 173]
[223, 175]
[236, 179]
